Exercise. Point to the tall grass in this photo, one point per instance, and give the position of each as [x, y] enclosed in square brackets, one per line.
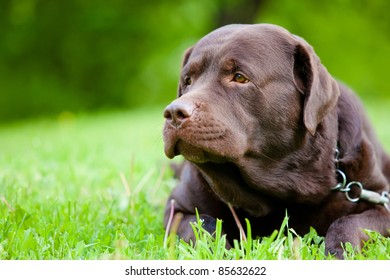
[83, 187]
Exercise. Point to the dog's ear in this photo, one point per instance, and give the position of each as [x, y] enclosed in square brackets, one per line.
[321, 91]
[186, 57]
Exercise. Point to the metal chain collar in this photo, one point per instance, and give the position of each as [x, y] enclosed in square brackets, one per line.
[366, 195]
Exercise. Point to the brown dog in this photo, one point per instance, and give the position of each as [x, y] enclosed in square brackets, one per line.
[259, 120]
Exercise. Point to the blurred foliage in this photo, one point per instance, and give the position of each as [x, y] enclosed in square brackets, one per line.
[77, 55]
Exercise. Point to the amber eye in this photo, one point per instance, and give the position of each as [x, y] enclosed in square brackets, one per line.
[239, 78]
[187, 81]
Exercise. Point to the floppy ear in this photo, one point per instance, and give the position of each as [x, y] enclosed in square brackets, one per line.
[186, 57]
[313, 80]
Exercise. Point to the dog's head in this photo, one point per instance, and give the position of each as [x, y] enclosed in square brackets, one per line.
[247, 90]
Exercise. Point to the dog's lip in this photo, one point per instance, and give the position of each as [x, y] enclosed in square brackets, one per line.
[175, 143]
[170, 147]
[191, 145]
[178, 146]
[191, 152]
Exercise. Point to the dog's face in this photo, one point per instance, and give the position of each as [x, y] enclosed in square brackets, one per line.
[247, 91]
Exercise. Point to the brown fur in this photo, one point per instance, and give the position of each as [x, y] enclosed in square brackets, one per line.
[266, 144]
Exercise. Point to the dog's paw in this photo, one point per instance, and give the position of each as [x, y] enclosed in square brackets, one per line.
[208, 223]
[342, 231]
[337, 252]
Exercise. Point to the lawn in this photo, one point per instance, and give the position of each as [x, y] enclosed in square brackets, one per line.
[94, 186]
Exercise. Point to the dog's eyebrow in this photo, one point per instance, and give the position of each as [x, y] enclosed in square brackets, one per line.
[232, 65]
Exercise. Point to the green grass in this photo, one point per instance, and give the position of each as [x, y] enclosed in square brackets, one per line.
[95, 187]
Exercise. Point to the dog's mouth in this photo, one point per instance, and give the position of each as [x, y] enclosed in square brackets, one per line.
[195, 145]
[190, 152]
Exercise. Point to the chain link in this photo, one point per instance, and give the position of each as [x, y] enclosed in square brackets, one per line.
[366, 195]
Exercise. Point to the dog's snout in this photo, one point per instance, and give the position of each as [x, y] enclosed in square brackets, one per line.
[178, 112]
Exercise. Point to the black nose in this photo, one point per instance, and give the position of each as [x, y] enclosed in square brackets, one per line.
[178, 112]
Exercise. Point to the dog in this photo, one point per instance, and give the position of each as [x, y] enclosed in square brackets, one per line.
[264, 128]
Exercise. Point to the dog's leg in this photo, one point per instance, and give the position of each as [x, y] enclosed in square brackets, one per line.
[351, 229]
[190, 195]
[184, 229]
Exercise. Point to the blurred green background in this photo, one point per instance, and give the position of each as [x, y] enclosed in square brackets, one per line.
[76, 56]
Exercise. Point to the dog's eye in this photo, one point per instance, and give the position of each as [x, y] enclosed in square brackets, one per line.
[187, 81]
[239, 78]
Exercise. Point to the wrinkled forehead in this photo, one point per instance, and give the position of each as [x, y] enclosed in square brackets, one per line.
[263, 44]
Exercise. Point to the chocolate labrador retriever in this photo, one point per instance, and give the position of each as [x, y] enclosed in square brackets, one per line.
[264, 127]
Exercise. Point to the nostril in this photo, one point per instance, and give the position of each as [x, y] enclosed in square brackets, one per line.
[183, 110]
[182, 115]
[167, 114]
[178, 111]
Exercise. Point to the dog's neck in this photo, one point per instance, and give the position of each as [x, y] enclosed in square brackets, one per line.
[227, 182]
